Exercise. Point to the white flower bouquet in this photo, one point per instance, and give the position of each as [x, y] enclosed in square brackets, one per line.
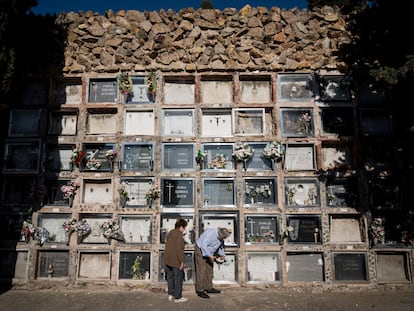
[274, 151]
[242, 152]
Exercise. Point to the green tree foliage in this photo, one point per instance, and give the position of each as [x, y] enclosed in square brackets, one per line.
[206, 4]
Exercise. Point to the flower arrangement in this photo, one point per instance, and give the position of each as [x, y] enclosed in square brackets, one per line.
[112, 230]
[274, 151]
[83, 229]
[111, 154]
[242, 151]
[125, 84]
[151, 82]
[136, 267]
[123, 193]
[263, 190]
[27, 230]
[69, 225]
[152, 193]
[305, 122]
[93, 164]
[200, 156]
[77, 155]
[218, 162]
[377, 230]
[69, 190]
[288, 230]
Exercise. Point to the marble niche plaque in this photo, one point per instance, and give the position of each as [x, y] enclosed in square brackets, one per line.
[168, 222]
[134, 266]
[15, 190]
[95, 223]
[68, 93]
[258, 162]
[216, 92]
[375, 122]
[350, 267]
[22, 156]
[218, 157]
[177, 193]
[13, 264]
[302, 192]
[62, 123]
[102, 91]
[249, 122]
[53, 224]
[53, 264]
[261, 229]
[137, 189]
[96, 159]
[255, 91]
[136, 229]
[259, 191]
[139, 122]
[334, 88]
[341, 192]
[296, 122]
[225, 273]
[97, 191]
[345, 230]
[263, 267]
[54, 194]
[393, 267]
[94, 265]
[304, 229]
[178, 156]
[178, 122]
[219, 192]
[305, 267]
[335, 156]
[24, 122]
[216, 123]
[140, 94]
[137, 157]
[227, 220]
[179, 91]
[58, 157]
[101, 121]
[337, 121]
[189, 273]
[295, 87]
[300, 157]
[34, 93]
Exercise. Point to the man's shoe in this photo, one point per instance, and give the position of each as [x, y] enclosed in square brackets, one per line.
[203, 295]
[182, 299]
[213, 291]
[170, 297]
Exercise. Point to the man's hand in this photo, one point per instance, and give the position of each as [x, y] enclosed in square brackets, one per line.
[212, 258]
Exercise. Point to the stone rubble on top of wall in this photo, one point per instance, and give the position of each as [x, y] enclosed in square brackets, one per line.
[204, 40]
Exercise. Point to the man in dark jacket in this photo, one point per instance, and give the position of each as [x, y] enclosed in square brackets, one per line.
[174, 259]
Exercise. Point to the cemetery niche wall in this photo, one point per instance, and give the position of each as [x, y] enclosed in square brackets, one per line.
[105, 164]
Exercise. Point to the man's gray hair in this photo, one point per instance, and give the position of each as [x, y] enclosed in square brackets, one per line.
[223, 233]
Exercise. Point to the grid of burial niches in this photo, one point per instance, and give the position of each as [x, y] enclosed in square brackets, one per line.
[279, 212]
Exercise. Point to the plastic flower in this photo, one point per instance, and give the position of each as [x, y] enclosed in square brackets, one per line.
[69, 190]
[274, 151]
[219, 161]
[93, 163]
[123, 193]
[152, 193]
[77, 155]
[69, 225]
[112, 230]
[125, 83]
[111, 154]
[243, 151]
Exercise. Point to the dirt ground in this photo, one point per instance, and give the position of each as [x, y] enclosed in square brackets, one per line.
[240, 299]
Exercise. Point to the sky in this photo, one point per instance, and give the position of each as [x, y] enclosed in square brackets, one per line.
[57, 6]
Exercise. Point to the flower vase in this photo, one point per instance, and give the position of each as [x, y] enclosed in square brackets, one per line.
[109, 241]
[251, 200]
[68, 235]
[123, 202]
[245, 165]
[70, 201]
[274, 164]
[149, 201]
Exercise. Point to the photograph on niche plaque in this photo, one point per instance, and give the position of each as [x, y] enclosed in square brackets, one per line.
[95, 222]
[168, 221]
[297, 122]
[177, 192]
[140, 94]
[13, 264]
[225, 273]
[249, 121]
[219, 192]
[255, 90]
[139, 122]
[259, 191]
[58, 158]
[304, 229]
[22, 157]
[216, 122]
[103, 91]
[137, 157]
[99, 157]
[300, 157]
[53, 264]
[62, 123]
[136, 228]
[222, 220]
[261, 229]
[334, 88]
[295, 87]
[215, 91]
[101, 121]
[53, 224]
[135, 266]
[263, 267]
[97, 191]
[179, 91]
[305, 267]
[94, 265]
[178, 156]
[24, 122]
[350, 267]
[341, 193]
[178, 122]
[218, 157]
[337, 121]
[302, 192]
[189, 273]
[136, 189]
